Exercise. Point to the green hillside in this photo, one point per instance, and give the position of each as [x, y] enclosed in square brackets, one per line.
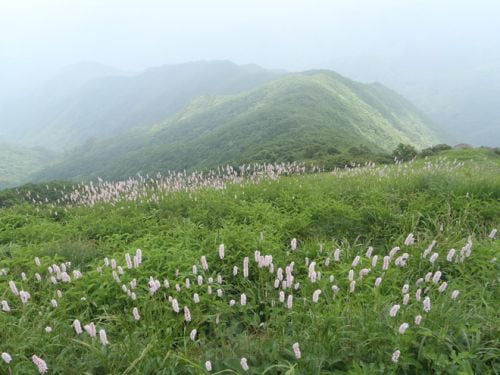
[337, 309]
[459, 94]
[16, 163]
[297, 117]
[69, 109]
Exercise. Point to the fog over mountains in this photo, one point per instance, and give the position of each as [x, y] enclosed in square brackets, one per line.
[90, 100]
[249, 186]
[460, 97]
[94, 121]
[73, 88]
[292, 117]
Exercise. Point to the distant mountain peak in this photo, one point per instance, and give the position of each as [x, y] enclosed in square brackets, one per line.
[295, 116]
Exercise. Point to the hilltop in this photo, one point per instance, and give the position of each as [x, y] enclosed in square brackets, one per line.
[302, 116]
[88, 100]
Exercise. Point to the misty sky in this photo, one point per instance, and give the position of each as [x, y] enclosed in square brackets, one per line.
[359, 38]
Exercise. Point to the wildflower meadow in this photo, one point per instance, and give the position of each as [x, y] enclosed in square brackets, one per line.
[270, 269]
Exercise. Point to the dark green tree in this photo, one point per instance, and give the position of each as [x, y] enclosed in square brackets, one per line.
[435, 149]
[404, 152]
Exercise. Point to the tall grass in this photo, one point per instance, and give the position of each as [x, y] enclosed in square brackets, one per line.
[344, 332]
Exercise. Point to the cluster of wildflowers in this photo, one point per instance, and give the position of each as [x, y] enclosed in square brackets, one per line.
[283, 284]
[40, 364]
[155, 188]
[400, 170]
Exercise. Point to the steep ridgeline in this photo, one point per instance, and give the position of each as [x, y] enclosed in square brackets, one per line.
[104, 105]
[459, 94]
[295, 117]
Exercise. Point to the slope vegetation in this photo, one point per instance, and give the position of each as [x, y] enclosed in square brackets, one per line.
[379, 304]
[61, 117]
[295, 117]
[16, 163]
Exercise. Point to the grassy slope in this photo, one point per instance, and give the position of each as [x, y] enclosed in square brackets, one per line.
[106, 106]
[16, 163]
[296, 117]
[351, 333]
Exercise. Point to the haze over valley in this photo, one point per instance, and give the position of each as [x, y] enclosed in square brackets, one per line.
[285, 187]
[85, 105]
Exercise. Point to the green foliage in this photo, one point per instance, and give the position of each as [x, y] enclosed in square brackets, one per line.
[429, 151]
[359, 151]
[351, 333]
[297, 117]
[16, 163]
[76, 106]
[404, 152]
[332, 151]
[48, 193]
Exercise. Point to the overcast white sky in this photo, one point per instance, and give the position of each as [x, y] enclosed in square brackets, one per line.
[39, 36]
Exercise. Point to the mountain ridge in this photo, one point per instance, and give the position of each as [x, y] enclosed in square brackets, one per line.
[111, 103]
[295, 116]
